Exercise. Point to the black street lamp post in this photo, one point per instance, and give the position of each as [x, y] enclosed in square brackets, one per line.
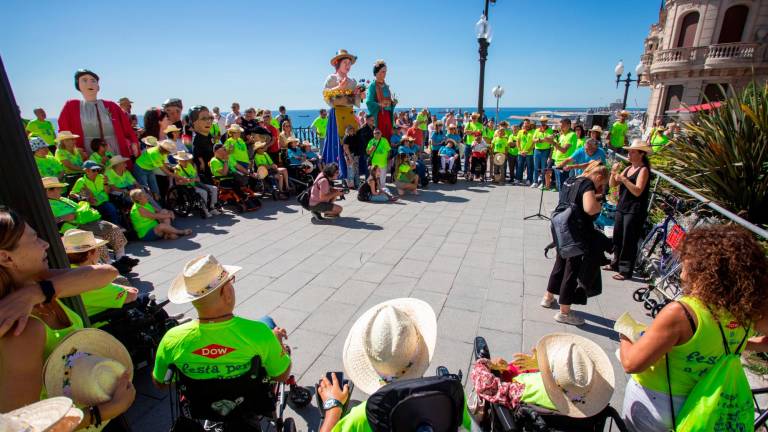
[619, 70]
[484, 40]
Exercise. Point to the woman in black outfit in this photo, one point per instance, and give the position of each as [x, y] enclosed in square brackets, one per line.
[632, 208]
[570, 273]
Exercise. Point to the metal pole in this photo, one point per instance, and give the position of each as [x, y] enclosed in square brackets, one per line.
[20, 185]
[626, 89]
[497, 110]
[483, 56]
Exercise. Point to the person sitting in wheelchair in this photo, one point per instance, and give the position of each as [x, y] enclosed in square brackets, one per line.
[448, 156]
[121, 182]
[188, 177]
[224, 170]
[219, 344]
[295, 154]
[478, 157]
[309, 155]
[389, 345]
[278, 176]
[409, 147]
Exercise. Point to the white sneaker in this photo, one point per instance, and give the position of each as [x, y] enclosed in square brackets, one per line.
[534, 185]
[215, 212]
[571, 319]
[547, 303]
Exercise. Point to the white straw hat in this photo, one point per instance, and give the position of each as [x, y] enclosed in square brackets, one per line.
[392, 340]
[63, 135]
[149, 141]
[182, 155]
[40, 416]
[638, 144]
[86, 366]
[167, 145]
[200, 277]
[234, 127]
[53, 182]
[76, 241]
[596, 128]
[577, 373]
[171, 128]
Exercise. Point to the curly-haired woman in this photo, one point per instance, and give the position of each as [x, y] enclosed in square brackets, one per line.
[724, 287]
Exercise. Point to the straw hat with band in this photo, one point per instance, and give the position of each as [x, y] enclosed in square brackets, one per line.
[234, 127]
[259, 144]
[65, 135]
[168, 146]
[171, 128]
[182, 155]
[36, 143]
[596, 128]
[200, 277]
[53, 182]
[149, 141]
[499, 159]
[624, 113]
[124, 99]
[117, 160]
[41, 416]
[543, 119]
[450, 140]
[86, 366]
[76, 241]
[638, 144]
[577, 374]
[262, 172]
[392, 340]
[342, 54]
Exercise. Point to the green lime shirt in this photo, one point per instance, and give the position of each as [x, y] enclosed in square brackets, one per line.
[525, 141]
[142, 224]
[103, 161]
[357, 421]
[538, 134]
[217, 167]
[499, 144]
[107, 297]
[568, 139]
[403, 172]
[580, 142]
[219, 350]
[381, 154]
[188, 172]
[260, 159]
[237, 149]
[472, 127]
[120, 181]
[42, 128]
[658, 141]
[321, 125]
[535, 393]
[151, 158]
[512, 144]
[618, 130]
[95, 186]
[49, 166]
[75, 159]
[421, 121]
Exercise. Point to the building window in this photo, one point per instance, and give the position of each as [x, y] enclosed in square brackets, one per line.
[734, 20]
[715, 92]
[674, 96]
[688, 30]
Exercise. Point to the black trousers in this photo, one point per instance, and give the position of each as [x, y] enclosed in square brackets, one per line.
[512, 163]
[626, 235]
[435, 166]
[564, 279]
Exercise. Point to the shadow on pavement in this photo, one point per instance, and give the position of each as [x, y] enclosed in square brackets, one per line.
[432, 196]
[604, 326]
[350, 222]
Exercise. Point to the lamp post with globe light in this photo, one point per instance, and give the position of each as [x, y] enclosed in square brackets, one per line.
[484, 35]
[498, 92]
[619, 70]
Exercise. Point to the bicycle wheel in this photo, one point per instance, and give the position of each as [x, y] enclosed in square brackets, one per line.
[646, 251]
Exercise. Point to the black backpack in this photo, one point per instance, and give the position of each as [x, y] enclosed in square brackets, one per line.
[409, 404]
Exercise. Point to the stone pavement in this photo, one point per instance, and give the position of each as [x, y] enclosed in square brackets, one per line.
[464, 249]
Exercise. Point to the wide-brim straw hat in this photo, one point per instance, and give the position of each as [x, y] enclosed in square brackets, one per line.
[200, 277]
[76, 241]
[596, 128]
[167, 145]
[234, 127]
[499, 159]
[259, 144]
[342, 54]
[392, 340]
[182, 155]
[578, 375]
[65, 135]
[40, 416]
[85, 366]
[171, 128]
[475, 115]
[638, 144]
[117, 160]
[543, 119]
[624, 113]
[450, 140]
[149, 141]
[53, 182]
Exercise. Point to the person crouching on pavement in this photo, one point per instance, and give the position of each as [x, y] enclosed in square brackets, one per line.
[322, 194]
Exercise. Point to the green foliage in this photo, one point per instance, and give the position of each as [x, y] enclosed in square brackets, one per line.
[724, 154]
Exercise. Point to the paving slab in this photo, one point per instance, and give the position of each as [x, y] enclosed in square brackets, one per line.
[464, 250]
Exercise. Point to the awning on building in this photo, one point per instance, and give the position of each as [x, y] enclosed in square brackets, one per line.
[700, 107]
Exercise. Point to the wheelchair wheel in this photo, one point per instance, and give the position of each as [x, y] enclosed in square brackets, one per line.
[639, 294]
[299, 396]
[288, 425]
[177, 202]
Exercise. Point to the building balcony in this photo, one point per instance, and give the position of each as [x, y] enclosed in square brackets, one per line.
[706, 57]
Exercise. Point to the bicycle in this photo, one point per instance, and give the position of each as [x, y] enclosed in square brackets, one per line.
[657, 258]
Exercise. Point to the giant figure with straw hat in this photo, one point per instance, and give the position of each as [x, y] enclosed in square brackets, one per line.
[341, 93]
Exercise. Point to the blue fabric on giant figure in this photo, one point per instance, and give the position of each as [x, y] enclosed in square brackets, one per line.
[341, 93]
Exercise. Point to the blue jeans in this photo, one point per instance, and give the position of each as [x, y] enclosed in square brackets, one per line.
[353, 172]
[379, 198]
[146, 178]
[525, 162]
[540, 164]
[109, 212]
[561, 176]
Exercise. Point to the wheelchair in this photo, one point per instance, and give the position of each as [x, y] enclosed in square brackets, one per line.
[240, 199]
[300, 177]
[237, 404]
[139, 326]
[183, 201]
[496, 417]
[478, 163]
[451, 176]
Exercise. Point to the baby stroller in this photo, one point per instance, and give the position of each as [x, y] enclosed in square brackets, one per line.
[496, 417]
[478, 162]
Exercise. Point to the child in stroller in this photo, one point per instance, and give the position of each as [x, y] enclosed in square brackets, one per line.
[478, 159]
[564, 385]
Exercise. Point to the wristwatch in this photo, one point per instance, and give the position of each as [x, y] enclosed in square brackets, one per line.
[331, 403]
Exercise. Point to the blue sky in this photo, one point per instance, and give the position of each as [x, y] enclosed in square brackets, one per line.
[544, 53]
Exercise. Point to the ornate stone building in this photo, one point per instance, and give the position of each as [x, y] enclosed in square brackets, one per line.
[698, 45]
